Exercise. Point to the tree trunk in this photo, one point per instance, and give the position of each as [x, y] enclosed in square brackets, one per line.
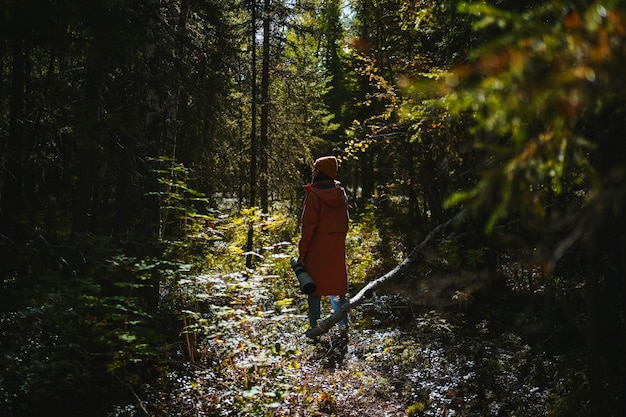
[91, 139]
[432, 188]
[10, 206]
[594, 364]
[153, 127]
[253, 109]
[606, 326]
[367, 182]
[326, 324]
[253, 145]
[123, 189]
[606, 280]
[414, 208]
[265, 105]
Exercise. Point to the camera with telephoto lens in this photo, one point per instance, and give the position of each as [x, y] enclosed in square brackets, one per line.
[307, 286]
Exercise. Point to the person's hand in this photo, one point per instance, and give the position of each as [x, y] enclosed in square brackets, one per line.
[301, 261]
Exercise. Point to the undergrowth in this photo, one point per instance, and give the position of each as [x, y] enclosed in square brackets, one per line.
[243, 349]
[222, 339]
[245, 354]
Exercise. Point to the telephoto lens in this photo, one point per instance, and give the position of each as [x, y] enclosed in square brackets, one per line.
[307, 286]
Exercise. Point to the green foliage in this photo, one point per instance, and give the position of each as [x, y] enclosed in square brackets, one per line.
[234, 321]
[362, 242]
[67, 336]
[526, 95]
[228, 340]
[401, 139]
[416, 409]
[527, 127]
[181, 205]
[455, 255]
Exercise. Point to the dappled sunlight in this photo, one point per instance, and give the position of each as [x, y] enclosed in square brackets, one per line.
[152, 173]
[249, 355]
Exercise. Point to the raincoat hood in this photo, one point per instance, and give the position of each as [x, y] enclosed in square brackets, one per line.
[329, 193]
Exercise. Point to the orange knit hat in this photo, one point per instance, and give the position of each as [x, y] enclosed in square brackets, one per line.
[328, 165]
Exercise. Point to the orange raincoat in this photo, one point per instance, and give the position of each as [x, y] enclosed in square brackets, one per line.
[323, 242]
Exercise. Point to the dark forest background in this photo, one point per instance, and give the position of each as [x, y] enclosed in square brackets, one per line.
[133, 133]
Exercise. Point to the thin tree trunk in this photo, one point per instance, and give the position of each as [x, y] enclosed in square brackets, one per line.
[154, 128]
[594, 363]
[265, 104]
[414, 211]
[91, 139]
[11, 203]
[326, 324]
[123, 194]
[253, 109]
[253, 145]
[606, 336]
[367, 187]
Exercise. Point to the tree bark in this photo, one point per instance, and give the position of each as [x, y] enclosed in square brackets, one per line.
[11, 203]
[414, 210]
[265, 104]
[326, 324]
[606, 328]
[253, 108]
[89, 143]
[123, 189]
[253, 144]
[153, 126]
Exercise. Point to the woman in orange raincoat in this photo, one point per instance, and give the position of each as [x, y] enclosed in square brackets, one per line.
[323, 243]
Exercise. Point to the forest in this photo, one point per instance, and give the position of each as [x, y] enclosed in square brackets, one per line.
[153, 160]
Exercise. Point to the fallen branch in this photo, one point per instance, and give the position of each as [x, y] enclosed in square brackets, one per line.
[323, 326]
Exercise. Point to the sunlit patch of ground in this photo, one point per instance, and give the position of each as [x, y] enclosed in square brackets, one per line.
[252, 359]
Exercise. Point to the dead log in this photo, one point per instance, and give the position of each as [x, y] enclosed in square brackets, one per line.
[324, 325]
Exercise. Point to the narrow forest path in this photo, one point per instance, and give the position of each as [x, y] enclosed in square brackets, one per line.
[252, 359]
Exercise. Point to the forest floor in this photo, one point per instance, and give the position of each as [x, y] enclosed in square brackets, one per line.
[252, 359]
[229, 341]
